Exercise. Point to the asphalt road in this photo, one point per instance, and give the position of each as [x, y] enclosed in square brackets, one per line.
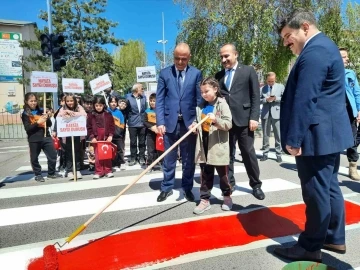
[33, 214]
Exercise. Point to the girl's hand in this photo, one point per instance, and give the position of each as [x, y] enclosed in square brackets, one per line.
[94, 140]
[212, 117]
[42, 119]
[109, 139]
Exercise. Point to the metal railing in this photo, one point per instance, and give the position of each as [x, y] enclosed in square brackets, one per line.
[11, 126]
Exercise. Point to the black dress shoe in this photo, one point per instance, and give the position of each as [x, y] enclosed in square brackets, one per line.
[263, 158]
[39, 178]
[278, 159]
[297, 253]
[163, 195]
[189, 196]
[258, 193]
[341, 249]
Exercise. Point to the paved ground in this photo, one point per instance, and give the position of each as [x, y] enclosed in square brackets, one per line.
[33, 215]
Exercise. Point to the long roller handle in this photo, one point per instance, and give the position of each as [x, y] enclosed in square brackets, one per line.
[83, 226]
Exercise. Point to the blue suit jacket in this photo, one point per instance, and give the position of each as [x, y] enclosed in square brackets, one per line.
[313, 112]
[170, 102]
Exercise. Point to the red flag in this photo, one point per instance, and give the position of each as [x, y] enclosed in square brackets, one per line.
[56, 142]
[104, 150]
[160, 143]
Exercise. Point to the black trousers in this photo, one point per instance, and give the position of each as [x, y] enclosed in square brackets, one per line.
[137, 140]
[245, 139]
[207, 180]
[68, 154]
[120, 155]
[47, 146]
[352, 153]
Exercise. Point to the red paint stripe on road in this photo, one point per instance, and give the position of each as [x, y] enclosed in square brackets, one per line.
[154, 245]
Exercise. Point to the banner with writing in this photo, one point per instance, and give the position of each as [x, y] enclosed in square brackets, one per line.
[43, 82]
[100, 84]
[71, 126]
[73, 85]
[146, 74]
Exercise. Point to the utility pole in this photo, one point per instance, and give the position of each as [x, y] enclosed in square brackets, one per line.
[163, 41]
[55, 95]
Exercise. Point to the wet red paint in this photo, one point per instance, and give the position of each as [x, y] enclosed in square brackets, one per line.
[149, 246]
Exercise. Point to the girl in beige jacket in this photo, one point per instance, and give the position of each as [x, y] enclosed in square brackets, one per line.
[212, 146]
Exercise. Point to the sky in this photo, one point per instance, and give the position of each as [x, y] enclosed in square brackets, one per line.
[138, 20]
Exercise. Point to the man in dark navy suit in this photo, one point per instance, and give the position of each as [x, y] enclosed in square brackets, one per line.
[315, 128]
[177, 95]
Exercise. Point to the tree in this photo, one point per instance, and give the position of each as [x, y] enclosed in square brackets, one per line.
[249, 24]
[159, 56]
[86, 31]
[126, 58]
[350, 35]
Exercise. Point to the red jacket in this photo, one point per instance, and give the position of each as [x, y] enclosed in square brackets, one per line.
[92, 126]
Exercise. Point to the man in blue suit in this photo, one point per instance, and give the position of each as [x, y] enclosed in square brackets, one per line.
[177, 95]
[315, 128]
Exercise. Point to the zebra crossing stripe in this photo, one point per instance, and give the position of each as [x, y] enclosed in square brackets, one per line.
[28, 214]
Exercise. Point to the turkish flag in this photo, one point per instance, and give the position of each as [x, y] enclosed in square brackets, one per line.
[56, 142]
[106, 150]
[159, 142]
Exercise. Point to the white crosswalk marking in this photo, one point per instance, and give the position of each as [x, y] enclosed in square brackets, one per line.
[33, 215]
[126, 202]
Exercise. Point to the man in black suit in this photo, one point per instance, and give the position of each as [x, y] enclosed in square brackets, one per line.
[240, 86]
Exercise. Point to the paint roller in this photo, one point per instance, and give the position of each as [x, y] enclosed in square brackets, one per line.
[50, 253]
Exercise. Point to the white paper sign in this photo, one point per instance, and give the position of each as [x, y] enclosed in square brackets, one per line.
[43, 82]
[73, 85]
[146, 74]
[72, 126]
[100, 84]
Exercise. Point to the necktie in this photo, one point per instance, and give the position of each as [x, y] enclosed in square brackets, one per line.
[180, 82]
[270, 90]
[228, 79]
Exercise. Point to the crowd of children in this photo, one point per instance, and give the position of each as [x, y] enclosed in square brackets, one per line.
[104, 123]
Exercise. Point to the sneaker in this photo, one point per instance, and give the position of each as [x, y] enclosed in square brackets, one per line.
[116, 169]
[142, 161]
[39, 178]
[70, 175]
[54, 176]
[96, 176]
[132, 163]
[123, 167]
[78, 175]
[227, 205]
[203, 206]
[109, 175]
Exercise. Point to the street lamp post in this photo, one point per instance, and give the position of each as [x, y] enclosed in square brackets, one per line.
[163, 41]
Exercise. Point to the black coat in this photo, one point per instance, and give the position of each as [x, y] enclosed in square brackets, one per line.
[243, 97]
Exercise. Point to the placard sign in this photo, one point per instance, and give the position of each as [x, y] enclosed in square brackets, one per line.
[43, 82]
[71, 126]
[73, 85]
[146, 74]
[100, 84]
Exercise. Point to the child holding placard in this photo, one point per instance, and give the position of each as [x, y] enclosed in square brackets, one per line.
[71, 109]
[34, 120]
[100, 127]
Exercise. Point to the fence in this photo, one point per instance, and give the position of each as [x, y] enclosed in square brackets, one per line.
[11, 126]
